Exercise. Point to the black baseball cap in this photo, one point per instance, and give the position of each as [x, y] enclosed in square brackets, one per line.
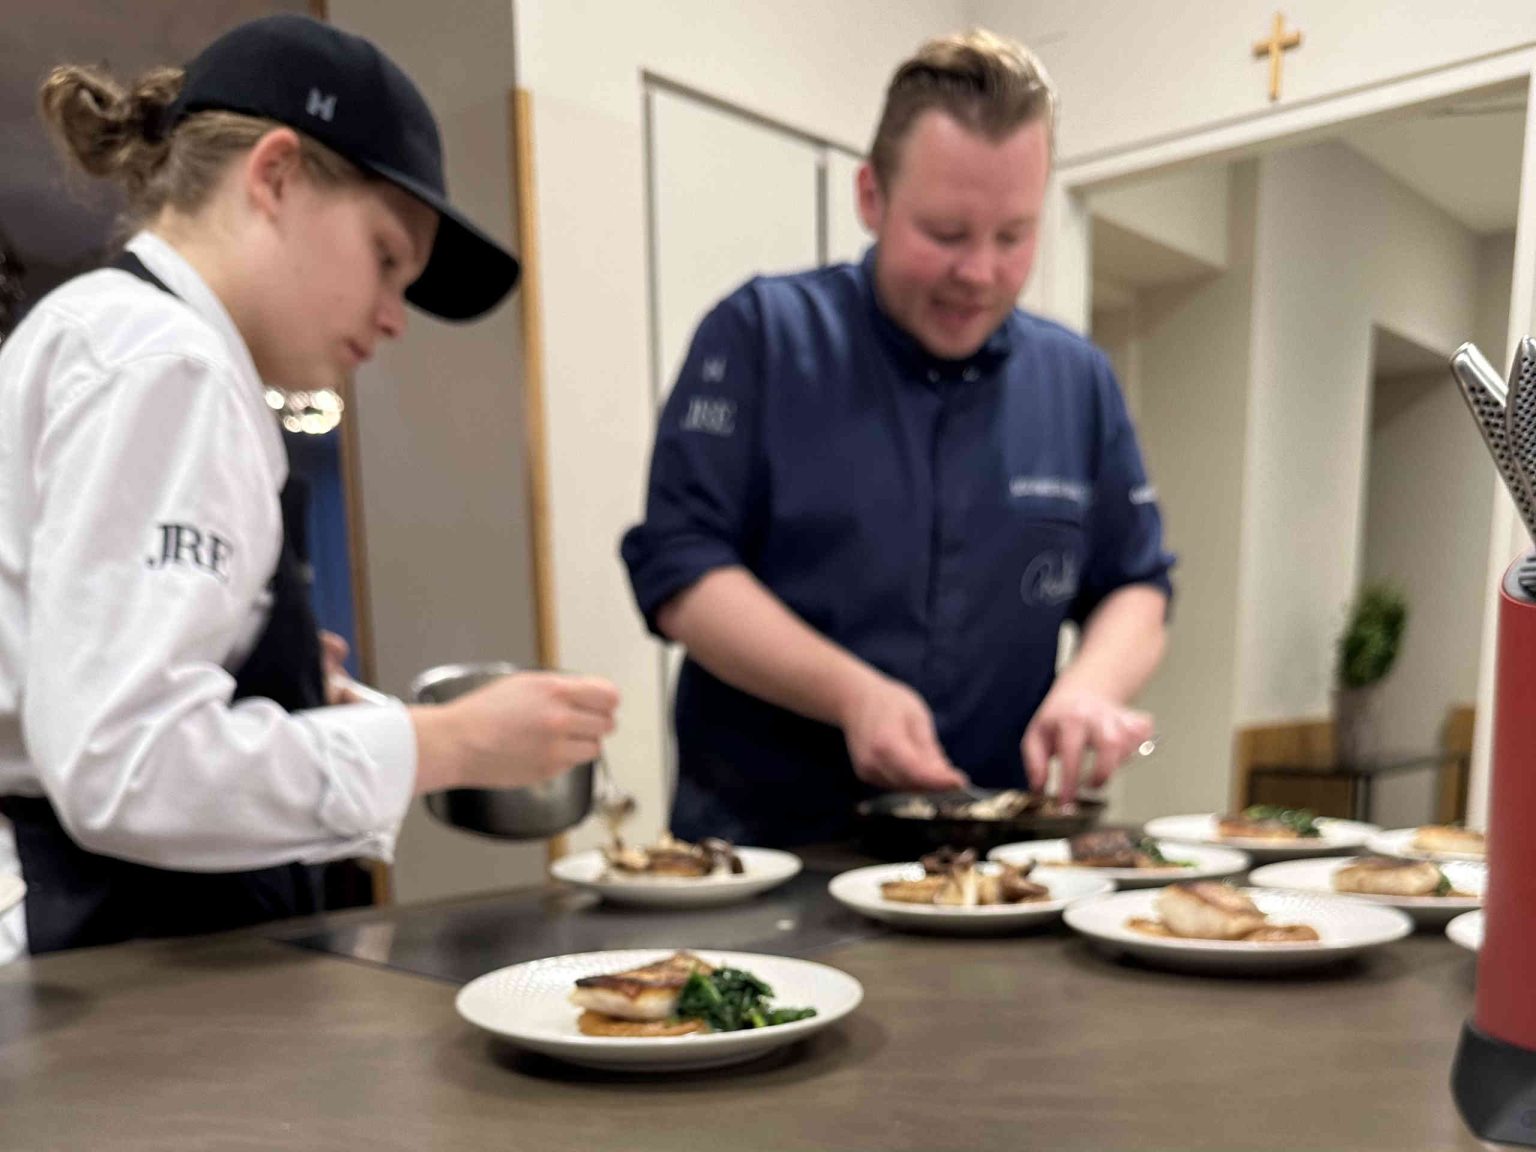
[342, 91]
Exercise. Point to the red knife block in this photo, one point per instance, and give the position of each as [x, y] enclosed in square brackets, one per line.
[1494, 1076]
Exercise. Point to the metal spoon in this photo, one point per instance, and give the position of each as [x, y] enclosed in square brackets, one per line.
[361, 693]
[614, 804]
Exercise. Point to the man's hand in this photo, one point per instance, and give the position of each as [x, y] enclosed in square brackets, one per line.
[892, 742]
[1072, 720]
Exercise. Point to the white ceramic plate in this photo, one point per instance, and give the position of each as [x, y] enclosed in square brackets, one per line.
[765, 868]
[860, 890]
[529, 1004]
[1467, 930]
[1427, 911]
[1337, 836]
[1399, 842]
[1209, 862]
[1346, 927]
[12, 889]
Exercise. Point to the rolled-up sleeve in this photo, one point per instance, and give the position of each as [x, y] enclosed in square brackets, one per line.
[705, 465]
[155, 537]
[1125, 525]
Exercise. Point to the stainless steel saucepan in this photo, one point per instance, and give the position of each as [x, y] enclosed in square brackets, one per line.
[532, 813]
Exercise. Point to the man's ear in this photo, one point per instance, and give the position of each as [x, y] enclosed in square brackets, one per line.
[270, 169]
[871, 199]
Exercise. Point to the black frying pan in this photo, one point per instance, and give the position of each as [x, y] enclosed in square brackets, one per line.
[888, 836]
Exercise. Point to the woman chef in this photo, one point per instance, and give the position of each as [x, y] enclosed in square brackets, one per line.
[167, 758]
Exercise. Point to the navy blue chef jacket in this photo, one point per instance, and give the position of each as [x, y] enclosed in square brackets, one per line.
[938, 518]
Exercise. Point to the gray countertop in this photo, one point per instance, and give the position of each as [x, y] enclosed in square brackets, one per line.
[249, 1041]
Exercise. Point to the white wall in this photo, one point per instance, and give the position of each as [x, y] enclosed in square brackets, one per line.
[1426, 530]
[439, 416]
[1190, 374]
[1330, 261]
[1508, 537]
[1495, 272]
[1431, 485]
[821, 67]
[1115, 330]
[1251, 393]
[1185, 210]
[1131, 73]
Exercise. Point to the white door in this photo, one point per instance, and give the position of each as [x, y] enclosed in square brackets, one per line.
[846, 238]
[731, 199]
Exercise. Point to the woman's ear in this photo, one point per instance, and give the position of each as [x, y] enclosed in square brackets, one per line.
[270, 169]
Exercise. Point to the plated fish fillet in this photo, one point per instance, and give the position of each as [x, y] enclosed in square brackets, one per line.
[1210, 910]
[1442, 838]
[1207, 910]
[646, 993]
[1378, 876]
[1116, 848]
[1241, 828]
[1269, 822]
[1110, 848]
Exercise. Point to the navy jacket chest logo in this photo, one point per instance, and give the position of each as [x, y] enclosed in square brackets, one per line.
[1051, 579]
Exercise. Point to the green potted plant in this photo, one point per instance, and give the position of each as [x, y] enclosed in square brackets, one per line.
[1367, 650]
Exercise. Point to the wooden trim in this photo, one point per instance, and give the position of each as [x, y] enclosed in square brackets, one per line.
[317, 10]
[1451, 797]
[1294, 122]
[362, 603]
[382, 878]
[541, 544]
[1285, 742]
[540, 537]
[1311, 742]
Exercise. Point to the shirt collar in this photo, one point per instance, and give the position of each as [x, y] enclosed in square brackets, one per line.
[188, 284]
[911, 355]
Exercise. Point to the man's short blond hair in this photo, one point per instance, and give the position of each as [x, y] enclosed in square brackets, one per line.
[989, 85]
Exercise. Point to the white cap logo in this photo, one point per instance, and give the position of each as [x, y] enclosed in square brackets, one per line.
[321, 105]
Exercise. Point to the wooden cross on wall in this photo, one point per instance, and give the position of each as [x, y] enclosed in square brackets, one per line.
[1280, 41]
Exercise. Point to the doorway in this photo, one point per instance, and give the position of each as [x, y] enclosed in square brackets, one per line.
[1246, 295]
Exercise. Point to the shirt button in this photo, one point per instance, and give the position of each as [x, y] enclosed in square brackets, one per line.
[933, 375]
[970, 375]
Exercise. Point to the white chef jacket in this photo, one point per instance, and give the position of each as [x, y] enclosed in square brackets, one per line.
[140, 525]
[13, 924]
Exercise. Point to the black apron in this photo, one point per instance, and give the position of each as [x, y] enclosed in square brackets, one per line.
[77, 898]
